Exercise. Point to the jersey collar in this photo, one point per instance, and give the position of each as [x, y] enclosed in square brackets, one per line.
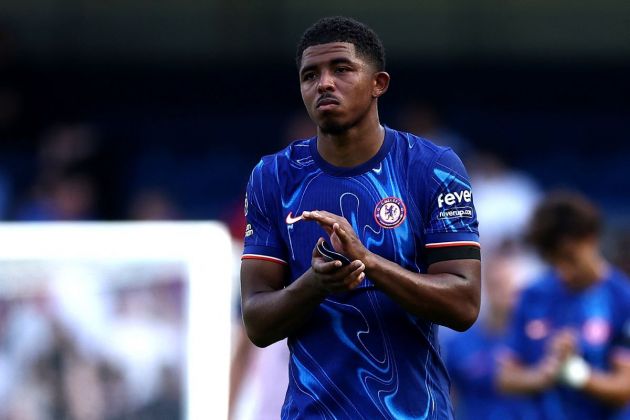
[354, 170]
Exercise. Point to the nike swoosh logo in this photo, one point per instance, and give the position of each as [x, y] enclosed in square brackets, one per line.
[290, 219]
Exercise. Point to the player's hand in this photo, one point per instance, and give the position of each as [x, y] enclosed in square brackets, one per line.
[332, 276]
[342, 236]
[560, 347]
[562, 344]
[548, 370]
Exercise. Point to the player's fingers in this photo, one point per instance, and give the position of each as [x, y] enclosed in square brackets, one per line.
[321, 266]
[339, 273]
[324, 223]
[333, 218]
[352, 272]
[324, 213]
[307, 214]
[357, 281]
[321, 216]
[343, 234]
[355, 266]
[327, 228]
[356, 277]
[313, 215]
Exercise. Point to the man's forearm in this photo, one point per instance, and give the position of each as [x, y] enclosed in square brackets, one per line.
[611, 388]
[514, 378]
[270, 316]
[449, 299]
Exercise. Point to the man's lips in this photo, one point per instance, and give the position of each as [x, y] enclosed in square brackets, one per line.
[328, 100]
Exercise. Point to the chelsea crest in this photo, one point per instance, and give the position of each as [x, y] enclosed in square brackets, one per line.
[390, 212]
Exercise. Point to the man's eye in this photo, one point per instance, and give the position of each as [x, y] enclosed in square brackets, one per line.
[341, 69]
[308, 76]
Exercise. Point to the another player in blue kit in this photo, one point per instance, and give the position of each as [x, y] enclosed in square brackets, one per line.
[570, 339]
[471, 357]
[362, 336]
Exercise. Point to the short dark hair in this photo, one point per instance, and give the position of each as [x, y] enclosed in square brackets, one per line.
[343, 29]
[562, 216]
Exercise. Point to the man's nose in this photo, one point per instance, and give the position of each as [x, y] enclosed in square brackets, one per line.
[326, 82]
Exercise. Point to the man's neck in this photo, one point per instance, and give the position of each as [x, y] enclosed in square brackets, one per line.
[353, 147]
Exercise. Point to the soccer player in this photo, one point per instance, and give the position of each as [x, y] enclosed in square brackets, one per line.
[570, 340]
[471, 357]
[362, 335]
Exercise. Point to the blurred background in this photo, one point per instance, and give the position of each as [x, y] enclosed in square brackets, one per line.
[138, 110]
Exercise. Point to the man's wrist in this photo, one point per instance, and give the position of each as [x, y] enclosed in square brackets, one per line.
[370, 260]
[310, 281]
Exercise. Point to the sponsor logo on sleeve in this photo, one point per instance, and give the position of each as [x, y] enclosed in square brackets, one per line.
[249, 231]
[459, 199]
[246, 205]
[456, 212]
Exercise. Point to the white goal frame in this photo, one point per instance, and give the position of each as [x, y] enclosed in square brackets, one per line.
[204, 248]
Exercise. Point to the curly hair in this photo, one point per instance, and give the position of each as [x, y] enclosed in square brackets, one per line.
[343, 29]
[560, 217]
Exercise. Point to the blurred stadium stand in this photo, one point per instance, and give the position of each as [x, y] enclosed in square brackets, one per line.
[185, 97]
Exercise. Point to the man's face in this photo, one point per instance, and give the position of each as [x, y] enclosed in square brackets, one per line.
[576, 262]
[337, 85]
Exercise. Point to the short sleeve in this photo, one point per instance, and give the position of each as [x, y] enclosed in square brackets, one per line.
[516, 341]
[262, 240]
[451, 227]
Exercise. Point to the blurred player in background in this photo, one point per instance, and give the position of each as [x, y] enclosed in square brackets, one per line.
[570, 340]
[362, 336]
[471, 357]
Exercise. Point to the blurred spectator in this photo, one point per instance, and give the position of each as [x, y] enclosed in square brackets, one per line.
[153, 204]
[504, 199]
[67, 198]
[68, 185]
[471, 357]
[569, 344]
[423, 119]
[69, 146]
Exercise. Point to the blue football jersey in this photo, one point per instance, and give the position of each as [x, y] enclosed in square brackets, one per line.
[361, 355]
[601, 317]
[471, 358]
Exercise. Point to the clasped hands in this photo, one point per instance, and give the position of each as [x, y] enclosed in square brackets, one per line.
[561, 361]
[332, 276]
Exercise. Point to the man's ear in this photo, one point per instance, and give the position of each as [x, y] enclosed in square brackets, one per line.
[381, 83]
